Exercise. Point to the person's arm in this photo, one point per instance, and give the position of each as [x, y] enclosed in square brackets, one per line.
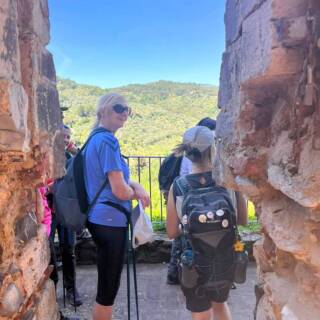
[242, 209]
[119, 186]
[140, 193]
[172, 224]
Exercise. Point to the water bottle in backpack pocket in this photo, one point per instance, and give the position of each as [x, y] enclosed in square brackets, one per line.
[188, 274]
[241, 263]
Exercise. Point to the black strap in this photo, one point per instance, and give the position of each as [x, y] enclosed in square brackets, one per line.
[129, 250]
[79, 179]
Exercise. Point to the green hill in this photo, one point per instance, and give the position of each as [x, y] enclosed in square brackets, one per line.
[162, 111]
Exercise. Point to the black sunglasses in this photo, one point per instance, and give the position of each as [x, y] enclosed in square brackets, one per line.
[119, 108]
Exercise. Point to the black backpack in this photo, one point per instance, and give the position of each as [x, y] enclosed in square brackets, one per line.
[70, 196]
[169, 170]
[208, 217]
[209, 227]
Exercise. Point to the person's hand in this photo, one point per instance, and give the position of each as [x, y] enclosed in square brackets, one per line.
[140, 194]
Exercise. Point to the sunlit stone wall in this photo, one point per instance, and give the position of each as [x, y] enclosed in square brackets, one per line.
[30, 151]
[269, 144]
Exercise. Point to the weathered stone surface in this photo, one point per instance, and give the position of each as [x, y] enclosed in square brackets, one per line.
[11, 301]
[13, 117]
[47, 304]
[49, 115]
[9, 53]
[29, 136]
[33, 261]
[269, 144]
[47, 66]
[26, 228]
[33, 19]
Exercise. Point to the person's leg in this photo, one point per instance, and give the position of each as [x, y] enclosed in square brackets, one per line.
[67, 247]
[221, 311]
[205, 315]
[53, 261]
[176, 250]
[100, 312]
[111, 244]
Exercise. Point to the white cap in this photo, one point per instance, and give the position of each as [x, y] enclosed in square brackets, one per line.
[199, 137]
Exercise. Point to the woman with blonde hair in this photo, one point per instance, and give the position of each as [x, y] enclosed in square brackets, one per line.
[106, 221]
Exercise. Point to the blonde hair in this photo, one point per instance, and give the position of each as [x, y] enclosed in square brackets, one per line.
[107, 101]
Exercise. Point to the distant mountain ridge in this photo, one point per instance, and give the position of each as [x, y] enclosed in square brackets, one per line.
[162, 111]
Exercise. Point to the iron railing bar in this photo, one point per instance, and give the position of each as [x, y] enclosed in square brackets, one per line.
[153, 204]
[139, 173]
[150, 187]
[151, 157]
[161, 209]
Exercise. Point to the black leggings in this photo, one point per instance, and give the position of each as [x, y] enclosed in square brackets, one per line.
[111, 244]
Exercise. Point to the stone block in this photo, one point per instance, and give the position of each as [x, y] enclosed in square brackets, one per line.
[9, 46]
[282, 9]
[47, 68]
[46, 307]
[233, 21]
[291, 32]
[236, 13]
[256, 43]
[56, 156]
[33, 19]
[289, 226]
[48, 108]
[11, 301]
[33, 260]
[13, 100]
[14, 133]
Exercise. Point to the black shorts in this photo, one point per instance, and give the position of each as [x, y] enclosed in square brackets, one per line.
[200, 298]
[111, 244]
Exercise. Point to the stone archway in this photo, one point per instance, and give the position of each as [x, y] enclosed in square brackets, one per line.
[269, 144]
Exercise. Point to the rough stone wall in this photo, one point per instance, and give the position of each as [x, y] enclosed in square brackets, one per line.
[269, 144]
[29, 122]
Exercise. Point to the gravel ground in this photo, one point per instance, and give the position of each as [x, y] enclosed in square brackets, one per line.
[157, 300]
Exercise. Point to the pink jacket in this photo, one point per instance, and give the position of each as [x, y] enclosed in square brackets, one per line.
[47, 218]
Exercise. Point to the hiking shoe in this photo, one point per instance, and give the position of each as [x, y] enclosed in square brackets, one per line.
[172, 280]
[73, 297]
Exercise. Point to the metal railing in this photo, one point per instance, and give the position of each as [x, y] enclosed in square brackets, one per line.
[145, 169]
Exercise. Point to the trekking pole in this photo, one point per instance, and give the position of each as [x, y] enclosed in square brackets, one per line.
[128, 273]
[135, 280]
[63, 288]
[74, 291]
[133, 266]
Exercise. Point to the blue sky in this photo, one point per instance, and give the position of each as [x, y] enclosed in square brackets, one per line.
[110, 43]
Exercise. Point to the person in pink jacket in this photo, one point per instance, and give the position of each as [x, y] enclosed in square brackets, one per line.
[47, 217]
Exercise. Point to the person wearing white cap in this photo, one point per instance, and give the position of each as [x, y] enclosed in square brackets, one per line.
[197, 146]
[176, 247]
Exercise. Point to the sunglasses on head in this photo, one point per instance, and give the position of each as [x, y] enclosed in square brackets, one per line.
[119, 108]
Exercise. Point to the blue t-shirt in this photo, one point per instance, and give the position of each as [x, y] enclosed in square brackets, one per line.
[102, 155]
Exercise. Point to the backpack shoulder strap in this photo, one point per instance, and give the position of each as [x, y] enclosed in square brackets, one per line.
[92, 134]
[180, 186]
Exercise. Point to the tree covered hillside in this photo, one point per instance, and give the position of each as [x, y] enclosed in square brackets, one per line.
[162, 111]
